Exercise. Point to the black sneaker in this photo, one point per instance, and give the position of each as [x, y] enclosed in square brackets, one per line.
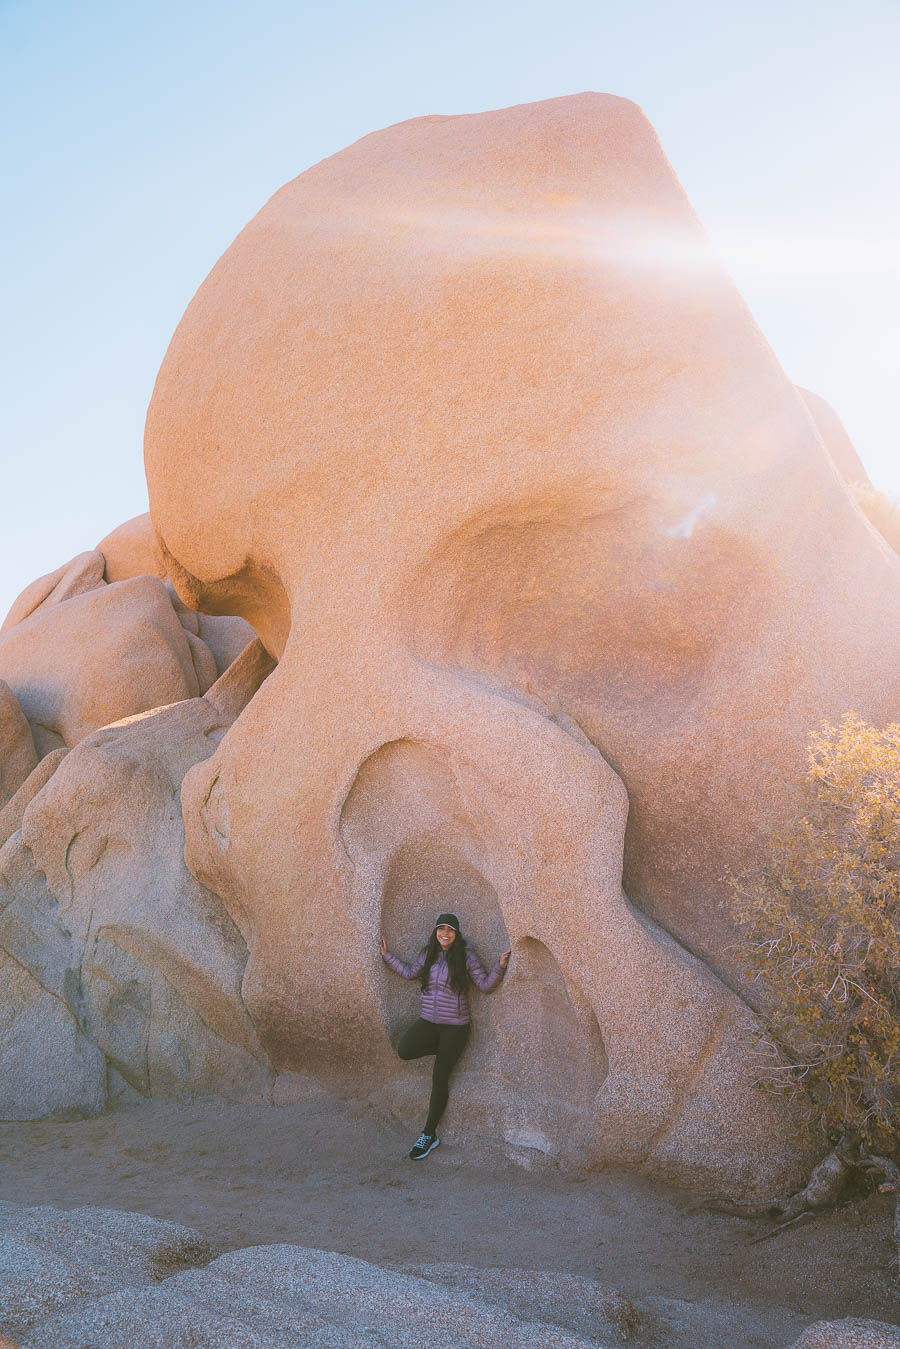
[424, 1144]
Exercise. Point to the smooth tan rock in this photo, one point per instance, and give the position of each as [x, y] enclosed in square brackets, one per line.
[80, 663]
[243, 679]
[837, 442]
[524, 425]
[18, 755]
[473, 429]
[83, 573]
[131, 550]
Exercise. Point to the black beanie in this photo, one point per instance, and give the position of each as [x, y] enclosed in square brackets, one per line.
[448, 919]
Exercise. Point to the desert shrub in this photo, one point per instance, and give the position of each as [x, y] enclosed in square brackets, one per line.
[880, 511]
[821, 928]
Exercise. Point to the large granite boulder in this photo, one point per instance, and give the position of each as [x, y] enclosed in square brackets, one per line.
[472, 427]
[118, 971]
[89, 653]
[115, 1280]
[114, 959]
[110, 1279]
[13, 813]
[102, 638]
[289, 1297]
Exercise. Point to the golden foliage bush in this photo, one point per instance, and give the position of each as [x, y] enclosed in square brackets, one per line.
[821, 923]
[880, 511]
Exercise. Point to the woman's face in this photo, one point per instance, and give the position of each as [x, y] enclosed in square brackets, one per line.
[446, 935]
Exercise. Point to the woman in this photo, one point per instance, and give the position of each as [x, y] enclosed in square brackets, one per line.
[446, 967]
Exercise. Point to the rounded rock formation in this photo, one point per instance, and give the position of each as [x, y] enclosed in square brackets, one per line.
[472, 427]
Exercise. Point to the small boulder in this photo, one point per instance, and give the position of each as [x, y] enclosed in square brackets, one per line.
[83, 573]
[108, 653]
[132, 550]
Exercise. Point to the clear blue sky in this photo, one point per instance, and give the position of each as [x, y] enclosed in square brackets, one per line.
[141, 138]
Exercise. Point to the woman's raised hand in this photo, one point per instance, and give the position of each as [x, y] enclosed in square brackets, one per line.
[382, 946]
[504, 959]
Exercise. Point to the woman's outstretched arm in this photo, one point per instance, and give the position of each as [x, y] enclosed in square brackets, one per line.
[486, 982]
[400, 966]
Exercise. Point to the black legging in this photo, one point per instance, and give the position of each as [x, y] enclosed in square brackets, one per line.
[446, 1043]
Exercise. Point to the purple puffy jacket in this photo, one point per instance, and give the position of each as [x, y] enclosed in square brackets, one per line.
[439, 1002]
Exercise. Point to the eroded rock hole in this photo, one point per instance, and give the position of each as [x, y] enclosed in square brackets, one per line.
[548, 1039]
[425, 877]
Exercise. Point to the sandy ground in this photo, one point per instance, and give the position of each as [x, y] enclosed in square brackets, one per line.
[333, 1174]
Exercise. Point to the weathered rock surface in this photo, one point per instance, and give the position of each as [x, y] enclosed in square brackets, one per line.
[513, 488]
[121, 960]
[52, 1259]
[132, 550]
[599, 1313]
[580, 1305]
[83, 573]
[225, 636]
[114, 1280]
[48, 1067]
[93, 1275]
[13, 812]
[289, 1297]
[78, 663]
[111, 943]
[849, 1333]
[18, 755]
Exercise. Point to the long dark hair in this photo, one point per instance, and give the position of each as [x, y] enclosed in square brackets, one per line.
[456, 954]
